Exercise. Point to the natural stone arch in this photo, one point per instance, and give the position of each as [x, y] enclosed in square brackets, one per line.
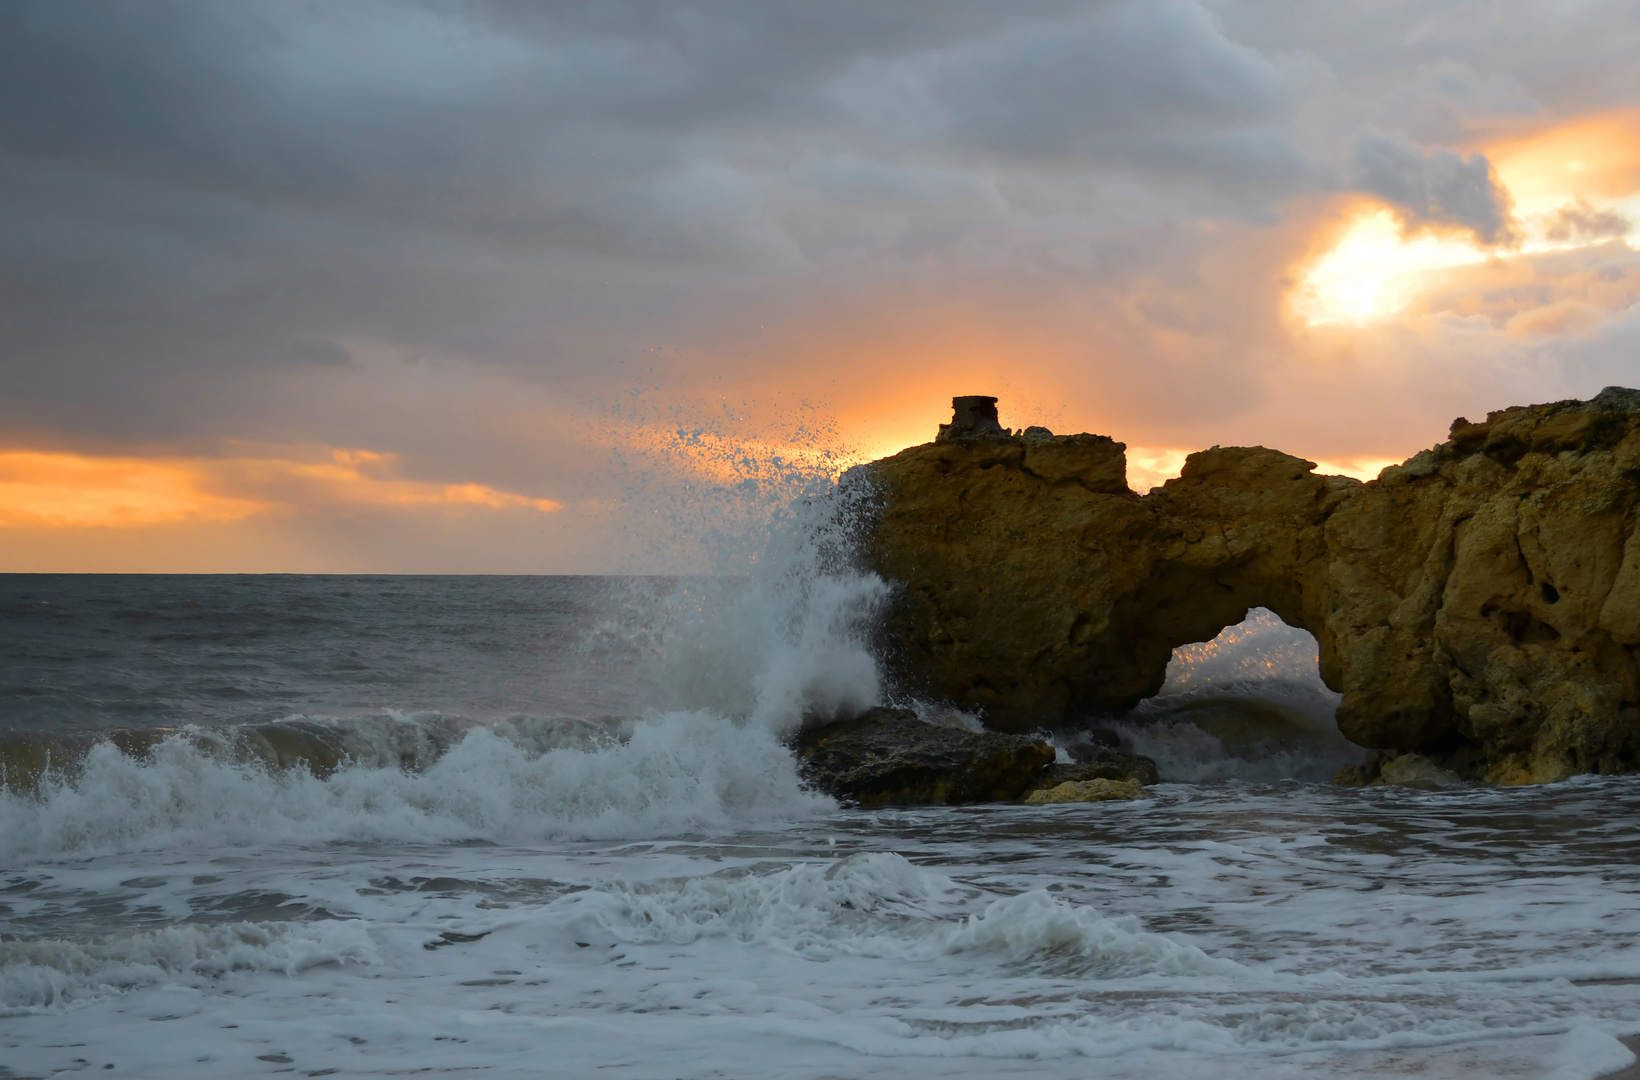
[1037, 587]
[1479, 603]
[1247, 704]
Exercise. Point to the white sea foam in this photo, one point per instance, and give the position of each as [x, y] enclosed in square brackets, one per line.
[1220, 930]
[1040, 926]
[43, 973]
[676, 773]
[1585, 1052]
[877, 904]
[696, 956]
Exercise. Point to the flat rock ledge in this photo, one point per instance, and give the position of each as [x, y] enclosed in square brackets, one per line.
[888, 757]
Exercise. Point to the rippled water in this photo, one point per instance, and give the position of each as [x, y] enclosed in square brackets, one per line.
[663, 899]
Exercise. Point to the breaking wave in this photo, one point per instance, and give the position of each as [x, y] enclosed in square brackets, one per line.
[45, 973]
[877, 904]
[673, 774]
[735, 665]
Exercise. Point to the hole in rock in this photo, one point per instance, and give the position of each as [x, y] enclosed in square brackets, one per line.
[1247, 705]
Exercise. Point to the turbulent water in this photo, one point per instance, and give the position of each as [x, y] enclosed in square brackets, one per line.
[548, 827]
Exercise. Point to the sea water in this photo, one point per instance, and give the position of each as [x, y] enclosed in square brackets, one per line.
[558, 834]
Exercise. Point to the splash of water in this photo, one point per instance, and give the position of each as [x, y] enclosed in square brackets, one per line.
[1247, 705]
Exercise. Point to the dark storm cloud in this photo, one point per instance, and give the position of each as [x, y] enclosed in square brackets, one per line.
[194, 186]
[1154, 84]
[202, 187]
[1433, 186]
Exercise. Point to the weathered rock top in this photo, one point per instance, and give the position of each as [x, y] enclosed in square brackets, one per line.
[1478, 604]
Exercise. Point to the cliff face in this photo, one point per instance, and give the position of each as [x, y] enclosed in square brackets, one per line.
[1479, 604]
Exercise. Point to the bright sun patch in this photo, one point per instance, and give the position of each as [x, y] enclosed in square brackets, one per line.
[1375, 271]
[1575, 186]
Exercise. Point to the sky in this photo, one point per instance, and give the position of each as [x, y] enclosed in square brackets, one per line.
[476, 287]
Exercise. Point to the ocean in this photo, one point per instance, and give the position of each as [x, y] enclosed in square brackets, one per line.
[548, 827]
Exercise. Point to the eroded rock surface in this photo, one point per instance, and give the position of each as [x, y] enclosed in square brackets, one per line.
[1093, 761]
[888, 757]
[1087, 791]
[1478, 605]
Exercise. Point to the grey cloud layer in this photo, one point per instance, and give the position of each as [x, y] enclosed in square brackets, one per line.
[197, 186]
[1433, 186]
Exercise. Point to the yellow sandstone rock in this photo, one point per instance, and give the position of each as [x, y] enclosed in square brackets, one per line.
[1087, 791]
[1477, 605]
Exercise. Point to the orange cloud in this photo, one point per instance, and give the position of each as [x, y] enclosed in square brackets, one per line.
[51, 490]
[1595, 157]
[1576, 190]
[73, 490]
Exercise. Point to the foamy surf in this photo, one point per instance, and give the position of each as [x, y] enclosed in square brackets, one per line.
[409, 889]
[877, 904]
[672, 774]
[53, 972]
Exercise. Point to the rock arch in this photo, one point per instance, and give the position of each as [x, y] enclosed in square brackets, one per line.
[1480, 603]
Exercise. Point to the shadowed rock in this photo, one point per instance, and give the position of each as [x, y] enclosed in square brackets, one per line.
[889, 757]
[1102, 764]
[971, 415]
[1478, 605]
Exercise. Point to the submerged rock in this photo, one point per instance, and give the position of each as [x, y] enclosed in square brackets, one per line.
[1100, 763]
[1087, 791]
[1478, 605]
[1401, 770]
[889, 757]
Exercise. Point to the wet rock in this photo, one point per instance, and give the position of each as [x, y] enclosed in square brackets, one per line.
[1478, 603]
[1402, 770]
[1094, 762]
[1087, 791]
[889, 757]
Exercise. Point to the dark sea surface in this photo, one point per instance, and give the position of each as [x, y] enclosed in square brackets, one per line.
[87, 652]
[537, 826]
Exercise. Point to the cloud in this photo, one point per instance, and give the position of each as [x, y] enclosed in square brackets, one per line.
[1433, 187]
[55, 489]
[1157, 84]
[1582, 222]
[469, 235]
[1449, 102]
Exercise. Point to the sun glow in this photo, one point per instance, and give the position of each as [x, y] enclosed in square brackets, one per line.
[58, 490]
[1152, 466]
[1375, 271]
[1597, 159]
[41, 489]
[1574, 186]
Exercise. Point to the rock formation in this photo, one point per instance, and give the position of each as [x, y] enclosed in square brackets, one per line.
[1478, 605]
[1087, 791]
[889, 757]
